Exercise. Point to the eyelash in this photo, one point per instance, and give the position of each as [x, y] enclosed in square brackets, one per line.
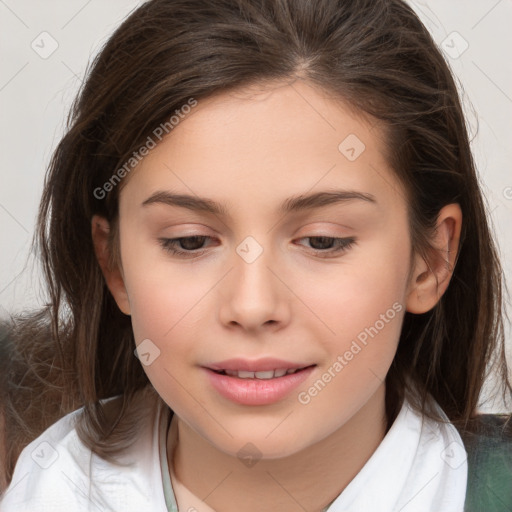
[169, 245]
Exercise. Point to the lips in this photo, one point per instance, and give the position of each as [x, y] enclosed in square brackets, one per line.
[262, 387]
[256, 366]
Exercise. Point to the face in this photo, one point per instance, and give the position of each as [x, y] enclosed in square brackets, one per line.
[319, 284]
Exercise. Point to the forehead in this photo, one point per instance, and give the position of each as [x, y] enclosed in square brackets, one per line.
[262, 145]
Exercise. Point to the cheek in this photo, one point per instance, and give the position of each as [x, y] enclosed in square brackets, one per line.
[166, 301]
[368, 284]
[165, 308]
[363, 304]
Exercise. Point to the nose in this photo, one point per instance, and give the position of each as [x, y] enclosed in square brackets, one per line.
[253, 295]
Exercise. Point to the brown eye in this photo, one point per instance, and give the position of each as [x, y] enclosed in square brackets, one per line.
[185, 246]
[326, 245]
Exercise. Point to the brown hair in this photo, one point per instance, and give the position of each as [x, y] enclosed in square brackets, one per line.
[35, 389]
[374, 54]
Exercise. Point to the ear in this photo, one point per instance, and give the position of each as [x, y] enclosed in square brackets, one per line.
[112, 274]
[429, 280]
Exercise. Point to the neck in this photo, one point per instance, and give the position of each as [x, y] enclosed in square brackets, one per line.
[309, 480]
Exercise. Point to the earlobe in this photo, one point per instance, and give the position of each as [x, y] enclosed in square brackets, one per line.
[430, 280]
[114, 279]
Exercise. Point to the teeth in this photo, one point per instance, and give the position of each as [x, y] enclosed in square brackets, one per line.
[264, 375]
[270, 374]
[242, 374]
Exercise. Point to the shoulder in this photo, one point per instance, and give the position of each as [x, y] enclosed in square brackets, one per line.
[44, 466]
[57, 472]
[486, 434]
[488, 442]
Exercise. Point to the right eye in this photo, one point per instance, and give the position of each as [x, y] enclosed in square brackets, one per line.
[188, 244]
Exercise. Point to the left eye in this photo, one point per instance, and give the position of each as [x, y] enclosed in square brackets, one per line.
[329, 244]
[191, 246]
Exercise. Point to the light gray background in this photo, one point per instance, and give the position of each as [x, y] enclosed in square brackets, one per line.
[36, 92]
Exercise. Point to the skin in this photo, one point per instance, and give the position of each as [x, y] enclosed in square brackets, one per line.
[250, 150]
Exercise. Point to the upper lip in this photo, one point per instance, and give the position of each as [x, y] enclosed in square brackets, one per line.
[256, 365]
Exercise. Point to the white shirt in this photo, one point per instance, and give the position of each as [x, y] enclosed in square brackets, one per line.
[58, 473]
[420, 466]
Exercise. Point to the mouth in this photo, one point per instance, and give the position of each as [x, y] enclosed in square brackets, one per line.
[261, 375]
[262, 382]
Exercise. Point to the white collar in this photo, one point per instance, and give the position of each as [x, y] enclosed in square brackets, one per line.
[420, 466]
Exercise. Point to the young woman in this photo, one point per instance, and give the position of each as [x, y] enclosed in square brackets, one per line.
[270, 269]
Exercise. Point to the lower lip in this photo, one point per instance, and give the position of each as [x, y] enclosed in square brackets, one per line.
[257, 391]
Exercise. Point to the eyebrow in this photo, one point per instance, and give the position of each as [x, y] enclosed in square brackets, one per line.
[292, 204]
